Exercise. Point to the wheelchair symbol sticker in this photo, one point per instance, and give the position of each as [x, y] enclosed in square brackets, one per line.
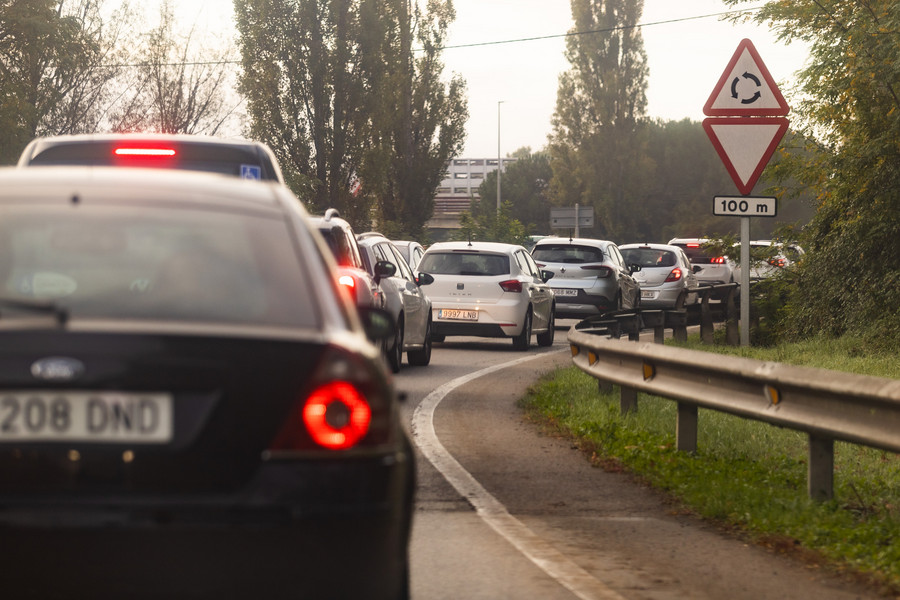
[251, 172]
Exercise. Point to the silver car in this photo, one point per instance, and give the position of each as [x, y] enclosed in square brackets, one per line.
[590, 277]
[488, 289]
[411, 251]
[403, 298]
[666, 274]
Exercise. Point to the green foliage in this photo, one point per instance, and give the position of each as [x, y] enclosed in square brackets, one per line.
[485, 224]
[849, 113]
[524, 188]
[746, 475]
[335, 88]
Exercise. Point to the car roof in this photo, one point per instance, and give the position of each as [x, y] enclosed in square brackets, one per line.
[652, 246]
[474, 247]
[580, 241]
[195, 147]
[160, 186]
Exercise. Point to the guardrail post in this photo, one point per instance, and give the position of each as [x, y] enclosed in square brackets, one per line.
[628, 400]
[686, 427]
[820, 472]
[630, 324]
[655, 320]
[732, 331]
[676, 320]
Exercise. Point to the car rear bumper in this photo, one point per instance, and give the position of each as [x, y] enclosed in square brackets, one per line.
[582, 306]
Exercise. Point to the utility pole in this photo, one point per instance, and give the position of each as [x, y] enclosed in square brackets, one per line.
[499, 158]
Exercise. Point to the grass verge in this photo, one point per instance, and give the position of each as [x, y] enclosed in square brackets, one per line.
[747, 476]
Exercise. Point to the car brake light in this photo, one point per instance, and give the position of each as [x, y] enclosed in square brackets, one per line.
[349, 284]
[778, 262]
[511, 285]
[144, 152]
[602, 271]
[540, 265]
[349, 405]
[675, 275]
[337, 415]
[717, 260]
[693, 245]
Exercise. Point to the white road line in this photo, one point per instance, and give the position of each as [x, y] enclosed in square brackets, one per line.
[540, 552]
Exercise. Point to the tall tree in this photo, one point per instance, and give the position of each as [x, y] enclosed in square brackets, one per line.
[171, 91]
[850, 114]
[54, 68]
[598, 138]
[359, 118]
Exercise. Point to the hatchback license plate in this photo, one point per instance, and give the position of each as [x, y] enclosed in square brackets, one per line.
[565, 292]
[105, 417]
[648, 294]
[459, 315]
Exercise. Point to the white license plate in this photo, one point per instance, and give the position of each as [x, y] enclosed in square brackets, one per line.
[646, 294]
[107, 417]
[458, 315]
[564, 292]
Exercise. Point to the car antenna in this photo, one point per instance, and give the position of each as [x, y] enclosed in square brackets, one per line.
[470, 239]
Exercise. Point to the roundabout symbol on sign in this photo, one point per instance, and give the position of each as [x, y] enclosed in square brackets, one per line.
[756, 95]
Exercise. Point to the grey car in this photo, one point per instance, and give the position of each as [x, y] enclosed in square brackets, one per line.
[590, 277]
[666, 274]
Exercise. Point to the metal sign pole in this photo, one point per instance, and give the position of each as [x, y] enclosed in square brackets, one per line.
[745, 281]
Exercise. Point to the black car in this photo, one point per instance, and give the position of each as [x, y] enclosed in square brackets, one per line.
[241, 158]
[189, 407]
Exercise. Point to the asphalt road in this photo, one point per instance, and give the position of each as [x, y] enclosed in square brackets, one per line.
[505, 511]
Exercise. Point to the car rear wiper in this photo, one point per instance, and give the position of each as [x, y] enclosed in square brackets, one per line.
[43, 306]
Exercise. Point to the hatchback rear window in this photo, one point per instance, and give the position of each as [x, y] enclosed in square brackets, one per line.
[648, 257]
[468, 263]
[567, 253]
[146, 263]
[695, 253]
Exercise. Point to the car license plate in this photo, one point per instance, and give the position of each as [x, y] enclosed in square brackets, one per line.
[458, 315]
[106, 417]
[647, 294]
[565, 292]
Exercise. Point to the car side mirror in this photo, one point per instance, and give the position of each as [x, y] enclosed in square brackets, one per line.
[547, 276]
[635, 268]
[697, 268]
[424, 279]
[377, 323]
[384, 269]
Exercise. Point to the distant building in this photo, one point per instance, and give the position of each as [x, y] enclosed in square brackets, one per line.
[459, 187]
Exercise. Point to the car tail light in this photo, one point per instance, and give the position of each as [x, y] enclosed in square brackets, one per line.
[347, 405]
[139, 151]
[693, 245]
[540, 265]
[778, 262]
[511, 285]
[349, 283]
[717, 260]
[675, 275]
[602, 271]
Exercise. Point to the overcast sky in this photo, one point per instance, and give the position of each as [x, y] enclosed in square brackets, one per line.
[686, 56]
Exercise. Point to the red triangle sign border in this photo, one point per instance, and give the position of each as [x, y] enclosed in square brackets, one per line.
[781, 110]
[745, 187]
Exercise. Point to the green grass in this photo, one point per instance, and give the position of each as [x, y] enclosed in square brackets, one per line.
[747, 475]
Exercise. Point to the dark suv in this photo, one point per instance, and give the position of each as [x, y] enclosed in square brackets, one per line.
[242, 158]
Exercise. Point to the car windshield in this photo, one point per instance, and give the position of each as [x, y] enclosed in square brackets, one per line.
[568, 253]
[648, 257]
[468, 263]
[146, 263]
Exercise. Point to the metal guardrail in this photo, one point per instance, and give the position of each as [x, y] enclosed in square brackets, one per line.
[827, 405]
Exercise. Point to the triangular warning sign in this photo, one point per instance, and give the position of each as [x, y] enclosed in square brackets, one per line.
[746, 88]
[745, 146]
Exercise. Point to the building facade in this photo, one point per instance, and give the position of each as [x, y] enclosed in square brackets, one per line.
[459, 188]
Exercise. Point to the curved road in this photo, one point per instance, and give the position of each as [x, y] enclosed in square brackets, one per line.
[504, 511]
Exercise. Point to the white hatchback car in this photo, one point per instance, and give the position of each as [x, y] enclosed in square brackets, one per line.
[666, 274]
[716, 269]
[488, 289]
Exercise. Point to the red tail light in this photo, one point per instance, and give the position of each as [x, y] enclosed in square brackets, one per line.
[349, 283]
[675, 275]
[336, 415]
[144, 151]
[349, 405]
[511, 285]
[778, 262]
[717, 260]
[602, 271]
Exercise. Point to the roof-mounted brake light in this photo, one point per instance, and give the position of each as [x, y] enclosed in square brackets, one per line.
[144, 152]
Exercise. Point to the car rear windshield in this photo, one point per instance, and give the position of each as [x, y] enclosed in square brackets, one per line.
[464, 263]
[241, 161]
[648, 257]
[695, 253]
[567, 253]
[147, 263]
